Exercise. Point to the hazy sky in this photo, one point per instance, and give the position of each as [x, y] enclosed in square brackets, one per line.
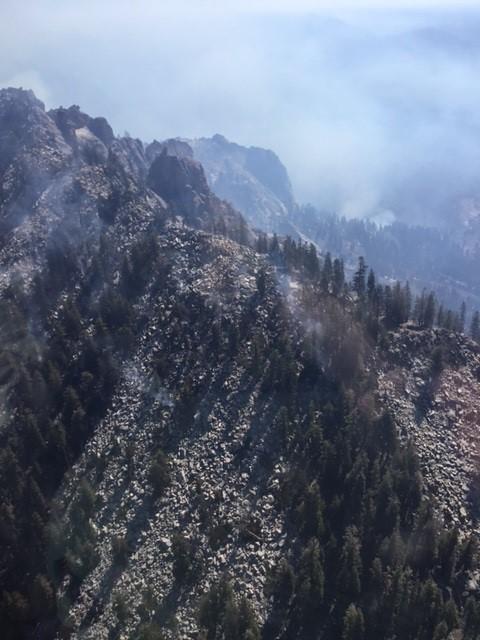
[363, 106]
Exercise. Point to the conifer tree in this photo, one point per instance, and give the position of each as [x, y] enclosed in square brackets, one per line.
[353, 624]
[359, 283]
[349, 577]
[462, 317]
[371, 286]
[475, 326]
[311, 579]
[327, 273]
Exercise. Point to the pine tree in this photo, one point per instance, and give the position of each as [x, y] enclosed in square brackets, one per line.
[159, 474]
[441, 316]
[262, 243]
[349, 577]
[419, 309]
[43, 596]
[425, 310]
[338, 276]
[353, 624]
[283, 582]
[274, 248]
[359, 284]
[475, 326]
[311, 262]
[120, 550]
[327, 272]
[449, 321]
[472, 619]
[371, 286]
[408, 301]
[261, 279]
[311, 580]
[310, 512]
[182, 556]
[429, 315]
[462, 317]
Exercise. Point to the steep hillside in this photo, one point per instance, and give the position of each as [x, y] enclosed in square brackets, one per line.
[196, 435]
[186, 391]
[431, 381]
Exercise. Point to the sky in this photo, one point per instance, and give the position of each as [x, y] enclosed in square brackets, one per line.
[372, 106]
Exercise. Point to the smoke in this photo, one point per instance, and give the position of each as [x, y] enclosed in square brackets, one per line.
[374, 112]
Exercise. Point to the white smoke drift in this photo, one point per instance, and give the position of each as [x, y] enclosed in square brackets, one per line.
[373, 112]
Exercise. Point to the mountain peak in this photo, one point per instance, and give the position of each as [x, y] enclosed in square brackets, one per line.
[253, 179]
[70, 119]
[19, 97]
[219, 139]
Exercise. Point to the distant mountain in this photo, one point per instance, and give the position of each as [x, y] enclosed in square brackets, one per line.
[252, 179]
[256, 183]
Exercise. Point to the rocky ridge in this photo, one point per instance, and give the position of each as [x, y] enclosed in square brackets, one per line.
[93, 198]
[201, 305]
[64, 175]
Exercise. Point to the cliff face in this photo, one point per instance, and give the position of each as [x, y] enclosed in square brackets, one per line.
[181, 181]
[252, 179]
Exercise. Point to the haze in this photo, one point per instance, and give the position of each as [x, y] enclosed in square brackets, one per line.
[373, 111]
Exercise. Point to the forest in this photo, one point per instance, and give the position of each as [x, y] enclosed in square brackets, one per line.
[367, 555]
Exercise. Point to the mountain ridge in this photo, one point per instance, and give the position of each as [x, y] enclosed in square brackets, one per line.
[196, 438]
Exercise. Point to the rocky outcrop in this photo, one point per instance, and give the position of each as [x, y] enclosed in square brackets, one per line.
[32, 152]
[252, 179]
[173, 147]
[181, 181]
[63, 176]
[171, 176]
[70, 120]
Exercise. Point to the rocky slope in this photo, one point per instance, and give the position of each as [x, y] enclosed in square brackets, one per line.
[87, 198]
[218, 484]
[90, 198]
[179, 409]
[431, 381]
